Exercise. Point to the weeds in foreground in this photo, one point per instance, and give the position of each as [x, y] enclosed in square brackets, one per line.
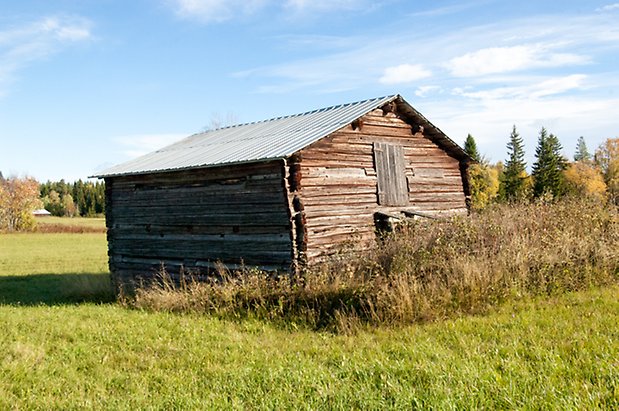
[424, 271]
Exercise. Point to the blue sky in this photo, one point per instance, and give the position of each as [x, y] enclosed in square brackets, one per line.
[85, 84]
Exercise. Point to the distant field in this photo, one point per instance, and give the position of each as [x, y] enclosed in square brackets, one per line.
[65, 345]
[98, 222]
[74, 225]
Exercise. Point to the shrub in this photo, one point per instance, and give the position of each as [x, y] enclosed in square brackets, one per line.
[426, 270]
[18, 198]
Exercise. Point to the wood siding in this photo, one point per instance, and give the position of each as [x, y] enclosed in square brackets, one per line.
[333, 182]
[235, 214]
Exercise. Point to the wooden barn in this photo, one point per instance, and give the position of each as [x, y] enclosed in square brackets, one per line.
[280, 193]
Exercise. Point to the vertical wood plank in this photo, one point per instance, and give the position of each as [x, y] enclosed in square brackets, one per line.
[400, 189]
[390, 170]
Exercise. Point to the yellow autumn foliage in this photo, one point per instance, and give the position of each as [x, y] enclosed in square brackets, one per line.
[583, 179]
[484, 185]
[607, 158]
[18, 198]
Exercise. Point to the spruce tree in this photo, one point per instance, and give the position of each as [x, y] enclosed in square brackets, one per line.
[470, 146]
[513, 180]
[582, 154]
[549, 166]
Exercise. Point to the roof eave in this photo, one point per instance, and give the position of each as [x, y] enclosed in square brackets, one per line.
[433, 132]
[172, 170]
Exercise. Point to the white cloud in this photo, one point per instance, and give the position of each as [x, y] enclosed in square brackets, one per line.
[567, 105]
[423, 91]
[490, 121]
[217, 11]
[510, 46]
[558, 85]
[489, 114]
[325, 5]
[63, 30]
[552, 86]
[608, 7]
[23, 45]
[139, 144]
[451, 9]
[507, 88]
[48, 29]
[315, 42]
[404, 73]
[508, 59]
[209, 11]
[73, 33]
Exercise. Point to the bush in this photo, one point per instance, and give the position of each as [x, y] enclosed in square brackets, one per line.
[426, 270]
[18, 198]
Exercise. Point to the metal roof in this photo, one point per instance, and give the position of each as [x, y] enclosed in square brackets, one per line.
[264, 140]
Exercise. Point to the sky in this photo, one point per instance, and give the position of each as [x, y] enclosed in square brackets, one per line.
[86, 84]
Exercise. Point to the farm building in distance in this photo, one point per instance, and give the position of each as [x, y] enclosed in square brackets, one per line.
[280, 193]
[41, 212]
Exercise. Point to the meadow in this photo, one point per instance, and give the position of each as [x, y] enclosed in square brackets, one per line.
[92, 222]
[65, 343]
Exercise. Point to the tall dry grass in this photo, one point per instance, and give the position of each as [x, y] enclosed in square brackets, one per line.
[424, 271]
[48, 228]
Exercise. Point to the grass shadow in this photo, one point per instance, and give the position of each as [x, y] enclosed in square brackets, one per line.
[56, 289]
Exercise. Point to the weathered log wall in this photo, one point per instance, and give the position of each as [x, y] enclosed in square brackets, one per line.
[334, 182]
[235, 214]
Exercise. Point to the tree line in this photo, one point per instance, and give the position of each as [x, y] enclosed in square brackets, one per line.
[552, 175]
[19, 197]
[83, 198]
[594, 175]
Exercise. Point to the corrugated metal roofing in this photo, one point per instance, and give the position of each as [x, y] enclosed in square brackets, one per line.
[270, 139]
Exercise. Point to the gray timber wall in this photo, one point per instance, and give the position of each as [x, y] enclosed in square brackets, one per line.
[335, 185]
[236, 214]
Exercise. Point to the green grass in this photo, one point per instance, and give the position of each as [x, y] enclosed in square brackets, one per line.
[56, 353]
[57, 253]
[53, 268]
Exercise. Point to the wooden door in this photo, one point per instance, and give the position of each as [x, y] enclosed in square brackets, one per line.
[391, 174]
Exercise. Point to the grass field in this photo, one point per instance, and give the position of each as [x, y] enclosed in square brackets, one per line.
[98, 222]
[64, 344]
[73, 225]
